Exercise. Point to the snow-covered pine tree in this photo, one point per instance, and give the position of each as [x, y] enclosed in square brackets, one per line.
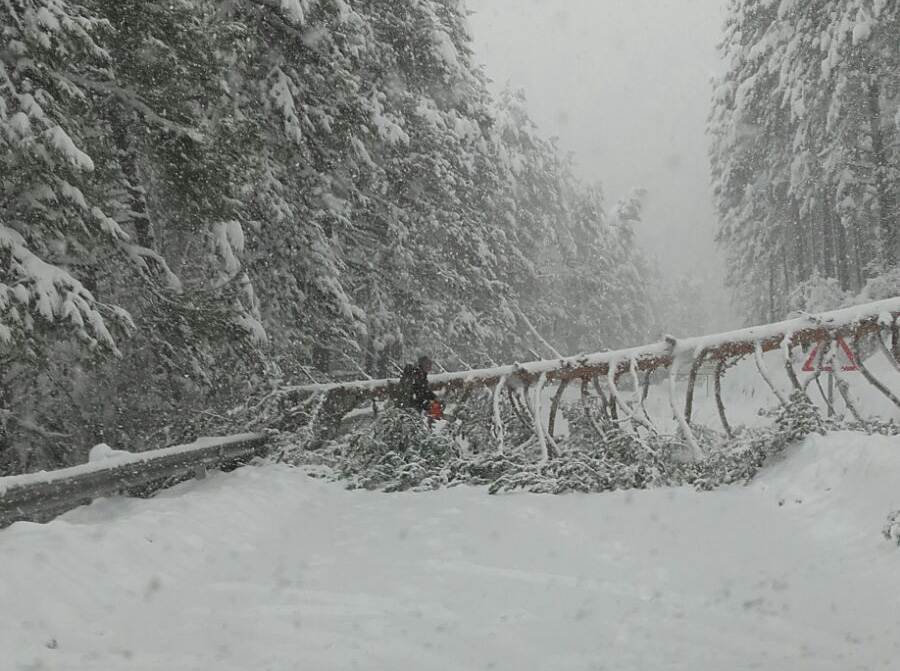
[805, 152]
[333, 176]
[54, 220]
[300, 118]
[748, 130]
[630, 274]
[576, 279]
[439, 176]
[166, 174]
[598, 280]
[50, 219]
[529, 210]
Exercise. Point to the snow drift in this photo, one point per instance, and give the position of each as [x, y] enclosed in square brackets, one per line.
[265, 568]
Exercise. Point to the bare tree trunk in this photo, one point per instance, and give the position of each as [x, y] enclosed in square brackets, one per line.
[554, 406]
[139, 212]
[870, 378]
[858, 252]
[692, 381]
[799, 247]
[785, 267]
[841, 252]
[5, 443]
[887, 201]
[895, 339]
[828, 236]
[772, 292]
[720, 405]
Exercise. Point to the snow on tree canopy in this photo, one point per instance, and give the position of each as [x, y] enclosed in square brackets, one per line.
[813, 189]
[241, 193]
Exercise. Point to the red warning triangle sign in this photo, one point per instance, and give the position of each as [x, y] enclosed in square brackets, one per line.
[811, 361]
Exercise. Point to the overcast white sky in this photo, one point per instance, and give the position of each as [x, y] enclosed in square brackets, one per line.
[625, 86]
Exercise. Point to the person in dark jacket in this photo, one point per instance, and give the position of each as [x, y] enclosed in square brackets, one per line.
[413, 390]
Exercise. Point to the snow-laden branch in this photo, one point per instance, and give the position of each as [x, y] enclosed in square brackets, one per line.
[538, 335]
[696, 450]
[499, 432]
[132, 100]
[32, 427]
[760, 364]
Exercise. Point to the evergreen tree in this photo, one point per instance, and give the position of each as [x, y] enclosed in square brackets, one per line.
[51, 218]
[269, 190]
[805, 150]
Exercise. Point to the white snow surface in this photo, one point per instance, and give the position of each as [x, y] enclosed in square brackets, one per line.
[268, 569]
[103, 452]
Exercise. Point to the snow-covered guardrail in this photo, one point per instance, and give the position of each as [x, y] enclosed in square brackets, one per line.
[38, 497]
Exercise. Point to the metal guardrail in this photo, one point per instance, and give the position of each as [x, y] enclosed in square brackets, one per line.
[39, 497]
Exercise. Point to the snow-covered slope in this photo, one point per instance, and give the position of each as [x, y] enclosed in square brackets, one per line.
[266, 569]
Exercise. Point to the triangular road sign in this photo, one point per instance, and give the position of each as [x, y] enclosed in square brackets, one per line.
[811, 361]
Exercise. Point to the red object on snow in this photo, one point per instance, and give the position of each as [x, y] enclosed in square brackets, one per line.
[435, 411]
[813, 360]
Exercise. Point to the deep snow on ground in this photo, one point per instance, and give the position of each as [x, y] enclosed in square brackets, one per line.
[267, 569]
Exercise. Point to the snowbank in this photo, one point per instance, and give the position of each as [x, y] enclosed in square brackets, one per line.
[265, 568]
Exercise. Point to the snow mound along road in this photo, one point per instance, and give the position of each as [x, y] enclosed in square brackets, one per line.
[265, 568]
[842, 486]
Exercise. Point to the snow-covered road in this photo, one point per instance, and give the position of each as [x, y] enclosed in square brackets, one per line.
[266, 569]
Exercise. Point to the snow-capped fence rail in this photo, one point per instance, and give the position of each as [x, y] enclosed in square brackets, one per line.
[38, 497]
[864, 328]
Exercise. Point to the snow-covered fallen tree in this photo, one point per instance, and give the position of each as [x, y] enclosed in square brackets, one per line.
[498, 406]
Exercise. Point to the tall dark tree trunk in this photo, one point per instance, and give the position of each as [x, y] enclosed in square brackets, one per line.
[887, 200]
[800, 250]
[139, 212]
[828, 264]
[6, 456]
[785, 267]
[842, 252]
[772, 272]
[858, 253]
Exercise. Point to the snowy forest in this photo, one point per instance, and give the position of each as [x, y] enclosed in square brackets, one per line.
[449, 334]
[203, 199]
[806, 152]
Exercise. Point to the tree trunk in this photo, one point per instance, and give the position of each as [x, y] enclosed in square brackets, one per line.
[887, 201]
[828, 245]
[857, 248]
[772, 292]
[139, 212]
[842, 253]
[799, 249]
[786, 268]
[5, 442]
